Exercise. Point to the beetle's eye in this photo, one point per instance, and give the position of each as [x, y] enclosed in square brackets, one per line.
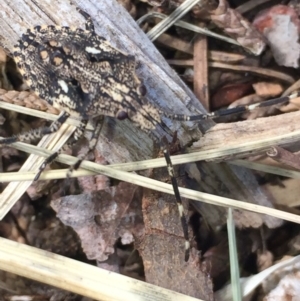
[122, 115]
[142, 90]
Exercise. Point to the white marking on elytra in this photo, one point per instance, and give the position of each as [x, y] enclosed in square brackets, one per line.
[92, 50]
[63, 85]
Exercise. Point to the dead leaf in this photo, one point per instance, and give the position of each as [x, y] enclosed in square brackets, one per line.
[267, 90]
[280, 25]
[100, 218]
[229, 93]
[287, 289]
[237, 27]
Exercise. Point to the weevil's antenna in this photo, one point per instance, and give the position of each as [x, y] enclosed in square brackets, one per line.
[183, 219]
[241, 109]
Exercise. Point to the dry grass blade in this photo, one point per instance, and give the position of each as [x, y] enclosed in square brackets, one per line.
[184, 192]
[267, 168]
[61, 173]
[208, 152]
[190, 27]
[255, 70]
[15, 190]
[37, 113]
[176, 43]
[211, 145]
[294, 87]
[80, 278]
[177, 14]
[249, 284]
[201, 82]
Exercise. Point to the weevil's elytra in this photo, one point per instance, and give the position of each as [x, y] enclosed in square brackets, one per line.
[98, 79]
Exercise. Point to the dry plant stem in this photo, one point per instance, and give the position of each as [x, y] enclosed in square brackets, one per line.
[61, 173]
[201, 89]
[176, 15]
[184, 192]
[267, 168]
[33, 112]
[234, 24]
[256, 70]
[77, 277]
[245, 141]
[15, 190]
[249, 284]
[247, 138]
[294, 87]
[176, 43]
[252, 134]
[189, 26]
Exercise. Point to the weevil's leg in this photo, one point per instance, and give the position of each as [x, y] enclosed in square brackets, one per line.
[80, 129]
[183, 219]
[242, 109]
[55, 126]
[77, 134]
[48, 160]
[38, 133]
[91, 147]
[89, 25]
